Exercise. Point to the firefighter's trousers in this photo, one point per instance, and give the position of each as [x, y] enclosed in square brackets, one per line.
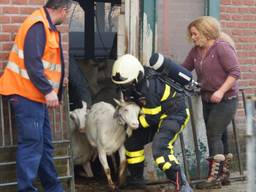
[163, 137]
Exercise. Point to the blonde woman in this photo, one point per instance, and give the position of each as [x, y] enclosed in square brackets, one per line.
[215, 61]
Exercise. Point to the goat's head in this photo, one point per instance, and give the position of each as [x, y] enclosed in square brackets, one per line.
[128, 112]
[79, 117]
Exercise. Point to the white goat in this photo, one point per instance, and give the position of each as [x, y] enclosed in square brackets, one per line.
[83, 152]
[106, 130]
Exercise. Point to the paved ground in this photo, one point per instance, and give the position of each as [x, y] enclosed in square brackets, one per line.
[85, 185]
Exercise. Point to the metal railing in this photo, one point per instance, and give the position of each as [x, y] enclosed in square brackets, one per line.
[241, 175]
[251, 143]
[61, 137]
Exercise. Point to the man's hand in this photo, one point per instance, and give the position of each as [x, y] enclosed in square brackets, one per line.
[65, 82]
[52, 99]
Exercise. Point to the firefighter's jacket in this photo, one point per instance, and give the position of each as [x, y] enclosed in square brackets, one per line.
[157, 99]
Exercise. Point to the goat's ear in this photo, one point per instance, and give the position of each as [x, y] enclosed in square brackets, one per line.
[117, 102]
[71, 114]
[73, 117]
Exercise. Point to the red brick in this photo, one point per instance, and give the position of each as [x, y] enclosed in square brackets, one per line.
[237, 17]
[226, 2]
[248, 75]
[4, 1]
[18, 19]
[10, 10]
[252, 68]
[246, 61]
[249, 17]
[249, 2]
[244, 68]
[7, 46]
[4, 37]
[225, 9]
[27, 10]
[252, 9]
[242, 54]
[242, 32]
[243, 9]
[237, 2]
[243, 83]
[5, 19]
[252, 25]
[19, 2]
[36, 2]
[252, 83]
[250, 91]
[225, 16]
[3, 56]
[10, 28]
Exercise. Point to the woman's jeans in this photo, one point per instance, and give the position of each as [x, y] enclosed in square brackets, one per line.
[217, 117]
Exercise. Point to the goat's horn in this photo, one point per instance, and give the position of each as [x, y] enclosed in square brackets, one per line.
[121, 97]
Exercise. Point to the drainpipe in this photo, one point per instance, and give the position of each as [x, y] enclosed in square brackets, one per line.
[165, 26]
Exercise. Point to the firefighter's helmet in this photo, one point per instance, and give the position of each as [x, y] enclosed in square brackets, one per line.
[127, 69]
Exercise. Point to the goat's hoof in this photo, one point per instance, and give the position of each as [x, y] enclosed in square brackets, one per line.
[114, 188]
[117, 190]
[122, 181]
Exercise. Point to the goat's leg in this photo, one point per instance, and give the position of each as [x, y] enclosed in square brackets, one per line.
[122, 168]
[104, 163]
[87, 169]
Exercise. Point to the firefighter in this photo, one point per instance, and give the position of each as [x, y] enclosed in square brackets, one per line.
[163, 117]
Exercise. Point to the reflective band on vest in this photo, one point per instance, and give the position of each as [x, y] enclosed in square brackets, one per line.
[47, 65]
[23, 73]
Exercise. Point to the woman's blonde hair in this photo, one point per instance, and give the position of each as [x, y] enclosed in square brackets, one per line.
[225, 37]
[208, 26]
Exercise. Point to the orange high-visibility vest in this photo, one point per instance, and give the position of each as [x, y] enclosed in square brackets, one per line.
[15, 79]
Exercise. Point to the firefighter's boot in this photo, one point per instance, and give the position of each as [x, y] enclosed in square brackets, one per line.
[178, 178]
[226, 169]
[136, 179]
[215, 169]
[185, 187]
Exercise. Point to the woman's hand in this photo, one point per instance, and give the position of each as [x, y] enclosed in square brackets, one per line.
[217, 96]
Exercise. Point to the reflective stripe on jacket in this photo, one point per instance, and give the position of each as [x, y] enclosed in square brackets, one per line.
[15, 79]
[157, 99]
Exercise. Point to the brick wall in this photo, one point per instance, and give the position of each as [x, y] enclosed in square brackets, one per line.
[238, 18]
[12, 14]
